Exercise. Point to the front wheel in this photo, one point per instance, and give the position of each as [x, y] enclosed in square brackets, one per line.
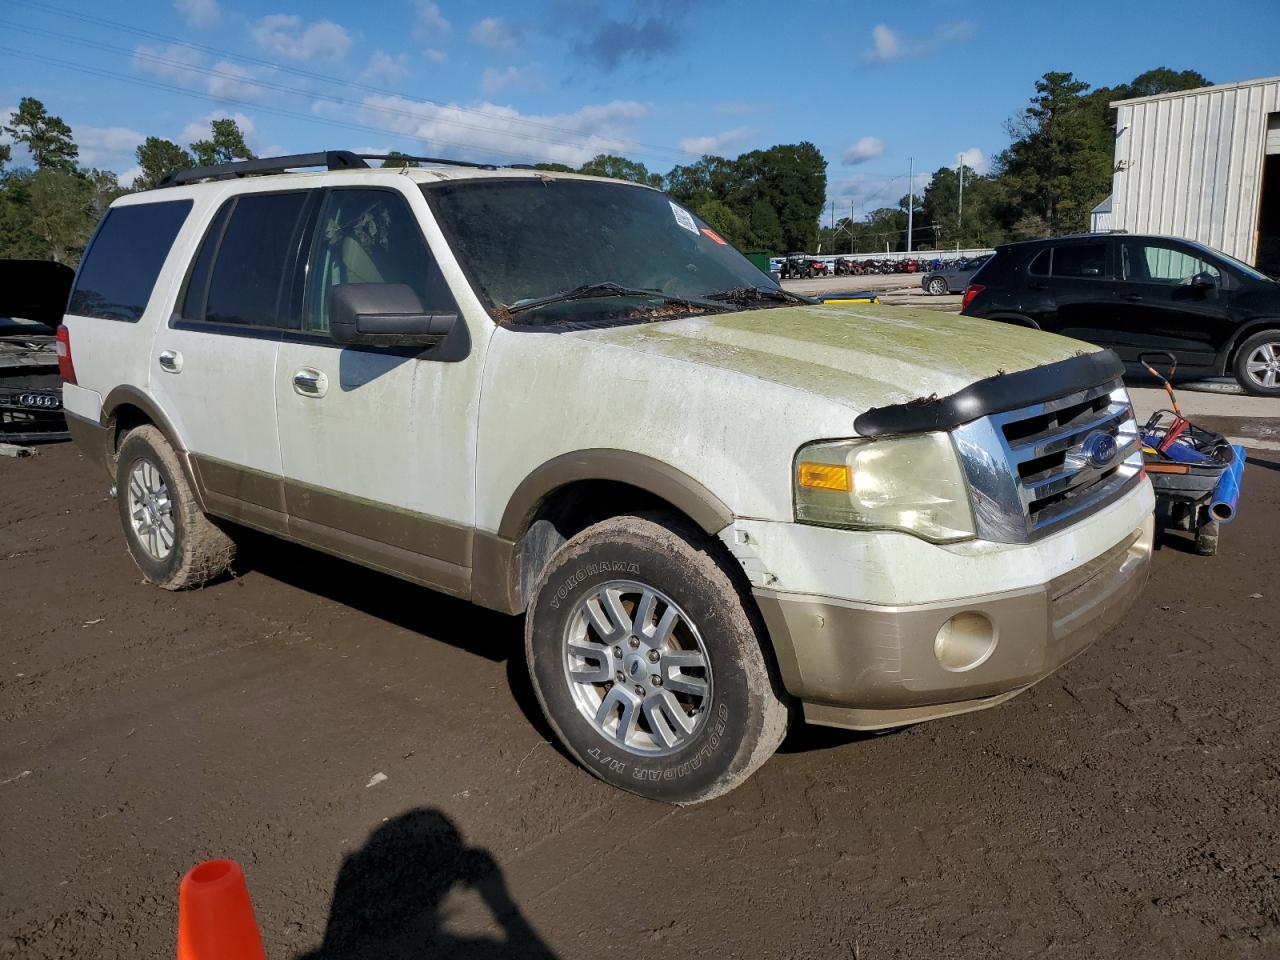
[174, 544]
[648, 661]
[1257, 364]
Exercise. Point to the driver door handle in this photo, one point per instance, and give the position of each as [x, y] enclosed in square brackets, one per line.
[170, 361]
[310, 383]
[1134, 297]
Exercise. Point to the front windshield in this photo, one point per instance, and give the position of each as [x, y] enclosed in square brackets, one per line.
[524, 239]
[1252, 272]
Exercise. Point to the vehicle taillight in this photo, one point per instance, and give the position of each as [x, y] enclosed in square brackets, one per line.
[970, 292]
[66, 369]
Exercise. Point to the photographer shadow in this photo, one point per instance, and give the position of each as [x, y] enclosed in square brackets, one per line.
[388, 898]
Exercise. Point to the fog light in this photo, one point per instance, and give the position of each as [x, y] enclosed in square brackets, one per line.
[964, 641]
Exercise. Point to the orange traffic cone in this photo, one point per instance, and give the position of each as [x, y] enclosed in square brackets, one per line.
[215, 917]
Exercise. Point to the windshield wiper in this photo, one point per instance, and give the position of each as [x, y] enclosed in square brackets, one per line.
[591, 291]
[749, 294]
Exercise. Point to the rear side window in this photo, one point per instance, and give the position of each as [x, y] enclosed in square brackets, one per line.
[122, 263]
[1080, 260]
[238, 277]
[1040, 265]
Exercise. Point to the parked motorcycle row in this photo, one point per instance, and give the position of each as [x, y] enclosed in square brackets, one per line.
[802, 266]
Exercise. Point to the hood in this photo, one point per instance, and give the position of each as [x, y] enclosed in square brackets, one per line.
[35, 290]
[861, 355]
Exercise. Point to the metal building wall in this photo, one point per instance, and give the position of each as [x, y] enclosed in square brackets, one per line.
[1190, 165]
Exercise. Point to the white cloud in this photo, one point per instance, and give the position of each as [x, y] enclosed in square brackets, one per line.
[867, 148]
[199, 13]
[233, 82]
[107, 146]
[386, 69]
[715, 143]
[974, 159]
[494, 33]
[887, 45]
[494, 79]
[170, 62]
[131, 174]
[434, 55]
[429, 28]
[735, 108]
[491, 131]
[287, 35]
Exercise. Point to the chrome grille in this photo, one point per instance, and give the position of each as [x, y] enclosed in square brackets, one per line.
[1034, 469]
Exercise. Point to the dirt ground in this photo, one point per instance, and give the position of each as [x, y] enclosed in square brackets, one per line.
[370, 752]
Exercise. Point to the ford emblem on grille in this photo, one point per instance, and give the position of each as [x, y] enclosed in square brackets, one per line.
[1099, 449]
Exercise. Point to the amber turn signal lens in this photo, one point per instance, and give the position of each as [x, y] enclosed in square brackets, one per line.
[824, 476]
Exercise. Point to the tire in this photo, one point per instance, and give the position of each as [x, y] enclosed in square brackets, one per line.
[1207, 538]
[1257, 364]
[174, 544]
[734, 715]
[937, 286]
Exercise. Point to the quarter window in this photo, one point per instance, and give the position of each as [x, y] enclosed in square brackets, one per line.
[244, 261]
[370, 236]
[1080, 260]
[1040, 265]
[123, 261]
[1146, 262]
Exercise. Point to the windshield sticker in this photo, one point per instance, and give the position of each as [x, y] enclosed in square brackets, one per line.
[712, 235]
[683, 217]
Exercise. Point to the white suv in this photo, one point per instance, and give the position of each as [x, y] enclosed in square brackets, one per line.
[718, 505]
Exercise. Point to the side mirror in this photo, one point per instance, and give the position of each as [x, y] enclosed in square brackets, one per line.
[1204, 280]
[384, 315]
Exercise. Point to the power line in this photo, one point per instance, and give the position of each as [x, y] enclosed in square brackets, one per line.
[326, 79]
[280, 88]
[293, 114]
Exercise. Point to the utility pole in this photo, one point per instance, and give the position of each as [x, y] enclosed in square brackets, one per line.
[960, 208]
[911, 199]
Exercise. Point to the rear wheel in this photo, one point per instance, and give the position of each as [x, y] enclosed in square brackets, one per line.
[174, 544]
[937, 286]
[647, 661]
[1257, 364]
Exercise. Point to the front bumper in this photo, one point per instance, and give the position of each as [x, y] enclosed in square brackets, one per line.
[867, 667]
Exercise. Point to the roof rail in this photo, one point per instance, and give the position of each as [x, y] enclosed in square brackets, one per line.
[329, 159]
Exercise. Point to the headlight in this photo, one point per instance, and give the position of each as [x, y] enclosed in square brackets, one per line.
[912, 483]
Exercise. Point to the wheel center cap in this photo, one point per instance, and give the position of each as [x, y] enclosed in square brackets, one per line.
[635, 666]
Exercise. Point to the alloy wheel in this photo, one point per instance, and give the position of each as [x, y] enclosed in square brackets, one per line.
[151, 510]
[1263, 365]
[637, 668]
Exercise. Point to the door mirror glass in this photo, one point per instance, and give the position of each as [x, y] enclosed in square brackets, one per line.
[384, 315]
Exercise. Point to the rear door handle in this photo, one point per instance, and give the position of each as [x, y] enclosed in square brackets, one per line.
[170, 361]
[1133, 298]
[310, 383]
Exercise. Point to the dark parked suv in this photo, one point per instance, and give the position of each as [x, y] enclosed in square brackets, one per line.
[1137, 294]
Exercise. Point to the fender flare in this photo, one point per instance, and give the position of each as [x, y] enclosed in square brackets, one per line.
[1016, 319]
[619, 466]
[1242, 333]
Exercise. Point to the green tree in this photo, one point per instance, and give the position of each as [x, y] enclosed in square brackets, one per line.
[397, 159]
[49, 214]
[225, 144]
[1057, 168]
[158, 158]
[5, 153]
[723, 220]
[47, 137]
[620, 168]
[554, 167]
[978, 224]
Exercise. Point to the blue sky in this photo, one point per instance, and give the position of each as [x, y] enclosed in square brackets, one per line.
[872, 85]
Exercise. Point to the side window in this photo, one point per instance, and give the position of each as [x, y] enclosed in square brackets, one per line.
[1149, 262]
[1039, 266]
[1080, 260]
[370, 236]
[239, 275]
[122, 263]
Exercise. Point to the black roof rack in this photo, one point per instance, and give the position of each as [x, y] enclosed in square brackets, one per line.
[329, 159]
